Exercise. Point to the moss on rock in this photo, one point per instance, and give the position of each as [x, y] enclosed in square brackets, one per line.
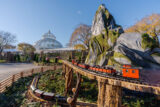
[120, 55]
[99, 46]
[156, 54]
[113, 35]
[148, 42]
[112, 62]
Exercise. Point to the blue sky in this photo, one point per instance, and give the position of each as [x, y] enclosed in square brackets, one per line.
[30, 19]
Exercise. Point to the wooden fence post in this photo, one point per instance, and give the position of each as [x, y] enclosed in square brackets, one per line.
[32, 71]
[0, 87]
[13, 77]
[21, 74]
[41, 69]
[54, 67]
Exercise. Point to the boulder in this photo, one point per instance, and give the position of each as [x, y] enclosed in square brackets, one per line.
[130, 46]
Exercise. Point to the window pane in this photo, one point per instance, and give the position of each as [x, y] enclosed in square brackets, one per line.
[133, 71]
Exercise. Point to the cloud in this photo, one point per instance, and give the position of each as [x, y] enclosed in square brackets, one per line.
[79, 12]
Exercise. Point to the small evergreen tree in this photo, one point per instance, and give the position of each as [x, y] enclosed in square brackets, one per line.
[37, 58]
[18, 58]
[56, 60]
[44, 59]
[15, 58]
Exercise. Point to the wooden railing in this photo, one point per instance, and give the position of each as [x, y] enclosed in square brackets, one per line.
[8, 81]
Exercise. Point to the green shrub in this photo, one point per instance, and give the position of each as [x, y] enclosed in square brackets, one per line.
[52, 81]
[44, 58]
[2, 61]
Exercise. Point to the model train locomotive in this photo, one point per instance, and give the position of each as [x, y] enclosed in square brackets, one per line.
[127, 70]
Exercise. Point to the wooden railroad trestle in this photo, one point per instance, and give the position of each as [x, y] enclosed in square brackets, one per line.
[108, 95]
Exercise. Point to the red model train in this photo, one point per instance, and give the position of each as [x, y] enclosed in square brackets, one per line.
[127, 70]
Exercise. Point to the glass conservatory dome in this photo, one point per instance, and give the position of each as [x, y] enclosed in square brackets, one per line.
[48, 41]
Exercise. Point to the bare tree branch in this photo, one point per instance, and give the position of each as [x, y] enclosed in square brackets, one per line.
[81, 35]
[6, 38]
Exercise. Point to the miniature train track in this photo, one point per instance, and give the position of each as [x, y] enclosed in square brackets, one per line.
[117, 77]
[129, 83]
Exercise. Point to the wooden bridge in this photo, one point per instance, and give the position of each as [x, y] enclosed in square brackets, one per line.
[109, 89]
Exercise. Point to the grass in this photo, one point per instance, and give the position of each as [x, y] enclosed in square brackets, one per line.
[2, 61]
[89, 90]
[137, 99]
[52, 81]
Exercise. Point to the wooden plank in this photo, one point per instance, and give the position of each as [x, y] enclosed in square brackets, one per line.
[4, 83]
[6, 79]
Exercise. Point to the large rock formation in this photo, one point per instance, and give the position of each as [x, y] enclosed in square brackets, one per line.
[104, 34]
[131, 48]
[110, 46]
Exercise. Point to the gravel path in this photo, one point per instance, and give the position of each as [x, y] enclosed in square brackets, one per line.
[7, 69]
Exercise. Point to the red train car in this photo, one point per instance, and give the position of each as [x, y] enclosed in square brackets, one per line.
[90, 68]
[94, 68]
[130, 72]
[83, 66]
[109, 70]
[127, 70]
[127, 66]
[73, 61]
[101, 69]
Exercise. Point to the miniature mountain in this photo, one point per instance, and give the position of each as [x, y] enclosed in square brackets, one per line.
[105, 32]
[103, 20]
[110, 46]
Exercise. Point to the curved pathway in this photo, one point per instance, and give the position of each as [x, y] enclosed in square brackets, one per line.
[7, 69]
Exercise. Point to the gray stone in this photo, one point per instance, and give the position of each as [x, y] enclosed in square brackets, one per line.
[110, 43]
[122, 60]
[131, 40]
[98, 24]
[129, 44]
[103, 20]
